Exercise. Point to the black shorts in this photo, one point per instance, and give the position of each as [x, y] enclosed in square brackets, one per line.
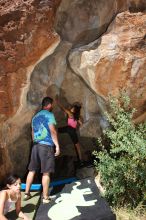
[42, 158]
[71, 131]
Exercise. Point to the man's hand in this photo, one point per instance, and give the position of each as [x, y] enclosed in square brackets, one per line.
[57, 151]
[54, 138]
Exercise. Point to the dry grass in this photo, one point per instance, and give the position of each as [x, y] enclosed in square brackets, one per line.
[138, 213]
[126, 214]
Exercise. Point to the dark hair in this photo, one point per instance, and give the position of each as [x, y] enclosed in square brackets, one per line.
[76, 113]
[11, 179]
[46, 101]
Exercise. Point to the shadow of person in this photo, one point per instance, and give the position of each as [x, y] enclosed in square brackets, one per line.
[36, 194]
[11, 215]
[28, 208]
[33, 194]
[57, 189]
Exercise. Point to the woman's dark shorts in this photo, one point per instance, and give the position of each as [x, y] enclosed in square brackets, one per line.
[71, 131]
[42, 158]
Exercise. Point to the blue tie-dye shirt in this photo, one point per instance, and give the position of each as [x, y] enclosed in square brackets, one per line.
[40, 126]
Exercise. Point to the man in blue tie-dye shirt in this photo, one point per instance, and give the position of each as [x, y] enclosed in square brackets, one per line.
[44, 136]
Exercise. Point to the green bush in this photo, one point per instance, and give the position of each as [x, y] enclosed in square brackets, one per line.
[122, 163]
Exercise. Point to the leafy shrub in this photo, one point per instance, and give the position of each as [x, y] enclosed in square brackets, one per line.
[123, 163]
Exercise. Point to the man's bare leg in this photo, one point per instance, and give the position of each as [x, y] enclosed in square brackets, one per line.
[29, 181]
[45, 184]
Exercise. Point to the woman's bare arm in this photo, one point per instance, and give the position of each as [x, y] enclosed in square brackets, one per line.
[80, 121]
[19, 213]
[67, 111]
[3, 198]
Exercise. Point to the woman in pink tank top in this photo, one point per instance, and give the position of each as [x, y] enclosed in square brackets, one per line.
[73, 121]
[10, 197]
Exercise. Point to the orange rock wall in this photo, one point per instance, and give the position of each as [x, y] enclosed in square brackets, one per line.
[123, 59]
[26, 32]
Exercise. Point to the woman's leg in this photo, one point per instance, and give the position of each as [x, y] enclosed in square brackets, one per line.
[63, 129]
[74, 137]
[78, 151]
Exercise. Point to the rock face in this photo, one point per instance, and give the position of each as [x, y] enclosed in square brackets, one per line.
[26, 33]
[136, 5]
[118, 61]
[61, 80]
[80, 50]
[26, 37]
[81, 22]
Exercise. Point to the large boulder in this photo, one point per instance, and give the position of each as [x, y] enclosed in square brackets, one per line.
[81, 22]
[33, 64]
[117, 60]
[53, 77]
[26, 37]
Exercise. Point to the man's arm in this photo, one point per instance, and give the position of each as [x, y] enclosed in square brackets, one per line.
[32, 134]
[54, 138]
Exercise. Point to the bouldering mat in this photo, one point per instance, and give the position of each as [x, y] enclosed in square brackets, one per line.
[79, 200]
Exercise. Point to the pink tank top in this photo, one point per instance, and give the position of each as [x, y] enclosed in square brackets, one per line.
[9, 205]
[72, 123]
